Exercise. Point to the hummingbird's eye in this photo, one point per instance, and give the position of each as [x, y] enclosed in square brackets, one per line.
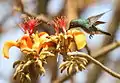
[71, 24]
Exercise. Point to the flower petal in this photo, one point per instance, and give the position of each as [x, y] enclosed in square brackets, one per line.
[6, 48]
[79, 38]
[26, 41]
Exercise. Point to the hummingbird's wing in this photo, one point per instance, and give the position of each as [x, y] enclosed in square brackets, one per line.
[93, 19]
[98, 22]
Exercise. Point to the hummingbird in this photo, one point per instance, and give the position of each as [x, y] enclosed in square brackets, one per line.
[89, 25]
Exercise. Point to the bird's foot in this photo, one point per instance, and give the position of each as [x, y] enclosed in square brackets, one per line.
[90, 36]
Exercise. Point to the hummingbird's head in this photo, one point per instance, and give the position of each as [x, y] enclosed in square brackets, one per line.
[73, 24]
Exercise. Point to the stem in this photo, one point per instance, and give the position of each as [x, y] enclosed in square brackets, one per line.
[81, 54]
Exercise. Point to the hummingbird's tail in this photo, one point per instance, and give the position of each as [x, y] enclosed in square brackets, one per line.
[103, 32]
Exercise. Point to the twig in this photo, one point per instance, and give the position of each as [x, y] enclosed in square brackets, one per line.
[106, 49]
[81, 54]
[20, 7]
[88, 49]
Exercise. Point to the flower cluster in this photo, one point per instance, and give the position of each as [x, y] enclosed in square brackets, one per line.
[37, 46]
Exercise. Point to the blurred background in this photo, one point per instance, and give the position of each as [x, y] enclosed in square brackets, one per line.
[9, 30]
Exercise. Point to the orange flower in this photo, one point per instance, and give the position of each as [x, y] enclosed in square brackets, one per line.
[27, 44]
[23, 43]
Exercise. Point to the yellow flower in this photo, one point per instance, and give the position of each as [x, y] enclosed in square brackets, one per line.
[38, 40]
[79, 38]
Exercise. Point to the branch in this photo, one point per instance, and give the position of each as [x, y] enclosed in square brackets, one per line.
[81, 54]
[18, 6]
[97, 55]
